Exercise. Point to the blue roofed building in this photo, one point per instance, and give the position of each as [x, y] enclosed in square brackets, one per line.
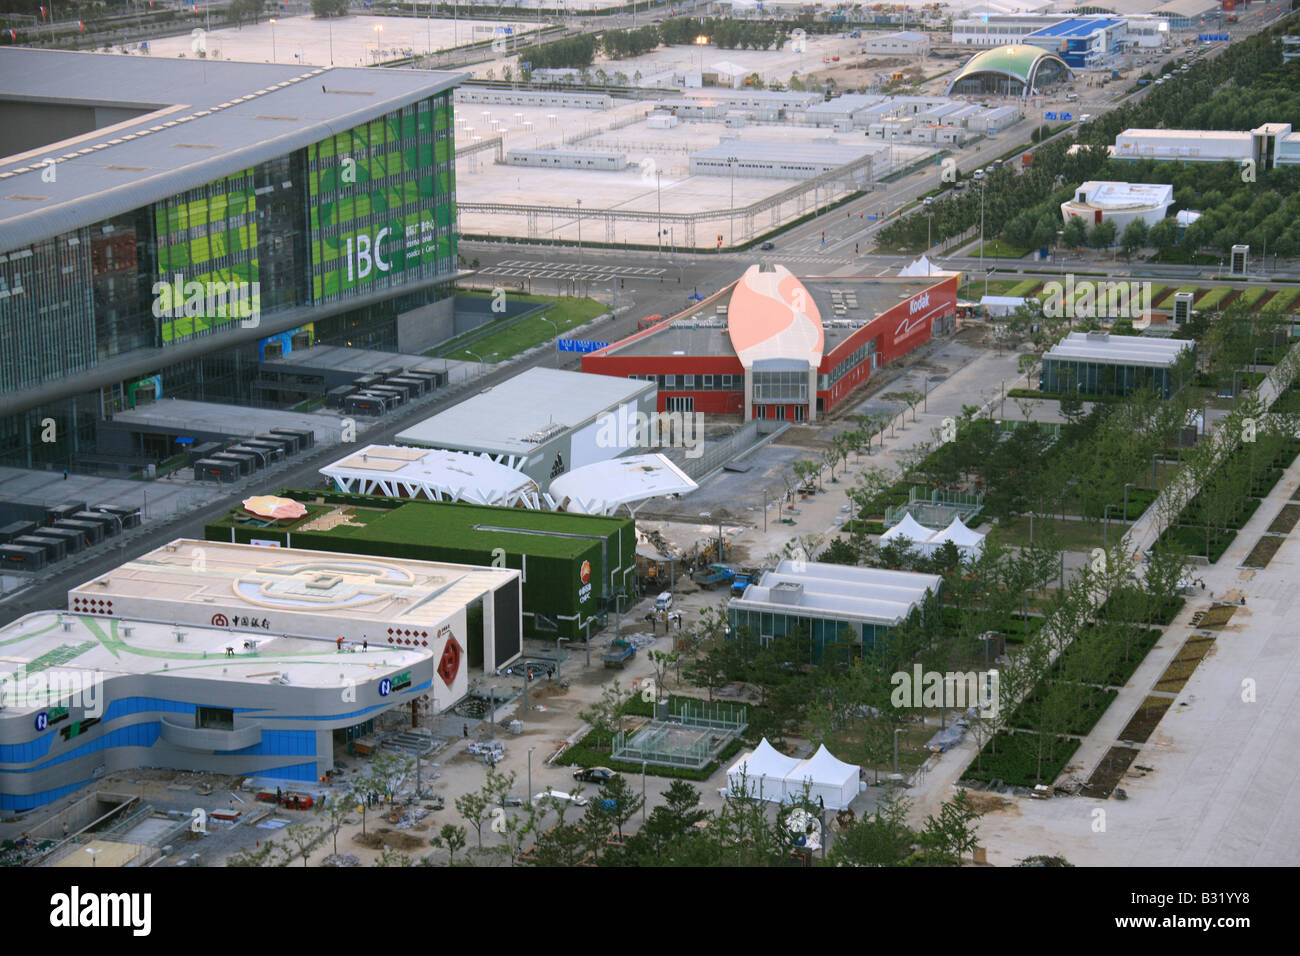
[1082, 42]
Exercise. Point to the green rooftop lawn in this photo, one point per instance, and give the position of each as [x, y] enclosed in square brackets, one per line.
[564, 312]
[450, 524]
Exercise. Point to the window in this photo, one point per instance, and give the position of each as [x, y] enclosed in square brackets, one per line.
[681, 403]
[214, 718]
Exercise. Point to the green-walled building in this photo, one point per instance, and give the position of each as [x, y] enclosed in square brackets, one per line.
[574, 566]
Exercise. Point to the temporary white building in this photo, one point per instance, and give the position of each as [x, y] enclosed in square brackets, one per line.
[827, 778]
[911, 529]
[772, 776]
[927, 541]
[761, 773]
[969, 543]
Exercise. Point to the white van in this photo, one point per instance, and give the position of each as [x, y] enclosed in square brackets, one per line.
[664, 602]
[559, 796]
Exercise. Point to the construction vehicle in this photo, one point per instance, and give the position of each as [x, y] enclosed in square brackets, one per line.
[619, 653]
[715, 575]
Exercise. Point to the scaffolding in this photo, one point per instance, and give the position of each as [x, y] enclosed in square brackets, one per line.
[684, 733]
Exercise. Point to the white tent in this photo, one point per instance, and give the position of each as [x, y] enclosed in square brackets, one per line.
[762, 772]
[1000, 306]
[911, 529]
[969, 543]
[827, 777]
[924, 267]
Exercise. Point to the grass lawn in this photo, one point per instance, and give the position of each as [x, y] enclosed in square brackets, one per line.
[974, 291]
[1001, 249]
[1252, 295]
[1025, 287]
[1212, 298]
[565, 312]
[1282, 301]
[1073, 535]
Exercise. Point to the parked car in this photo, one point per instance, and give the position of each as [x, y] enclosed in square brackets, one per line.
[578, 800]
[664, 602]
[593, 774]
[512, 801]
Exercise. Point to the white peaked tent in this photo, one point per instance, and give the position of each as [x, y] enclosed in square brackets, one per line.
[969, 543]
[827, 777]
[918, 534]
[772, 776]
[763, 772]
[924, 267]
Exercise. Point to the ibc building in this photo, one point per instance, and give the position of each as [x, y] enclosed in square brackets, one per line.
[775, 346]
[161, 218]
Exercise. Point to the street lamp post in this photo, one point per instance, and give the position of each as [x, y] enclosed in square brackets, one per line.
[659, 211]
[379, 35]
[1127, 486]
[580, 233]
[530, 775]
[556, 326]
[643, 792]
[273, 60]
[896, 733]
[731, 165]
[1105, 528]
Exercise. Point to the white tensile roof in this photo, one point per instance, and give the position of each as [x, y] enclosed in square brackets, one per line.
[959, 534]
[402, 472]
[1119, 349]
[603, 486]
[908, 528]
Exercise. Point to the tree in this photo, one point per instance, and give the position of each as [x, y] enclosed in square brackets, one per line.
[269, 853]
[661, 661]
[952, 835]
[618, 801]
[806, 472]
[451, 838]
[324, 9]
[1136, 235]
[879, 839]
[474, 808]
[304, 838]
[1076, 233]
[668, 823]
[911, 397]
[1163, 236]
[1102, 235]
[334, 813]
[603, 716]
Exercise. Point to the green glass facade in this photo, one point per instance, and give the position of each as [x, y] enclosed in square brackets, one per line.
[818, 631]
[1103, 378]
[366, 214]
[382, 201]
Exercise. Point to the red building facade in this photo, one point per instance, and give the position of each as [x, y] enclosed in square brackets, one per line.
[697, 370]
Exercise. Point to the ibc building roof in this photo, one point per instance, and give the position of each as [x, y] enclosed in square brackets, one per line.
[193, 122]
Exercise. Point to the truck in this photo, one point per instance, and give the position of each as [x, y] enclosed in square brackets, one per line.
[619, 653]
[715, 575]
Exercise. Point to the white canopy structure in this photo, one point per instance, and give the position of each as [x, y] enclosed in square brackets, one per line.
[969, 543]
[602, 487]
[762, 773]
[826, 777]
[772, 776]
[924, 267]
[911, 529]
[401, 472]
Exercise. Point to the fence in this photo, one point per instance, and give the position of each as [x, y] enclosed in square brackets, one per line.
[937, 508]
[718, 453]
